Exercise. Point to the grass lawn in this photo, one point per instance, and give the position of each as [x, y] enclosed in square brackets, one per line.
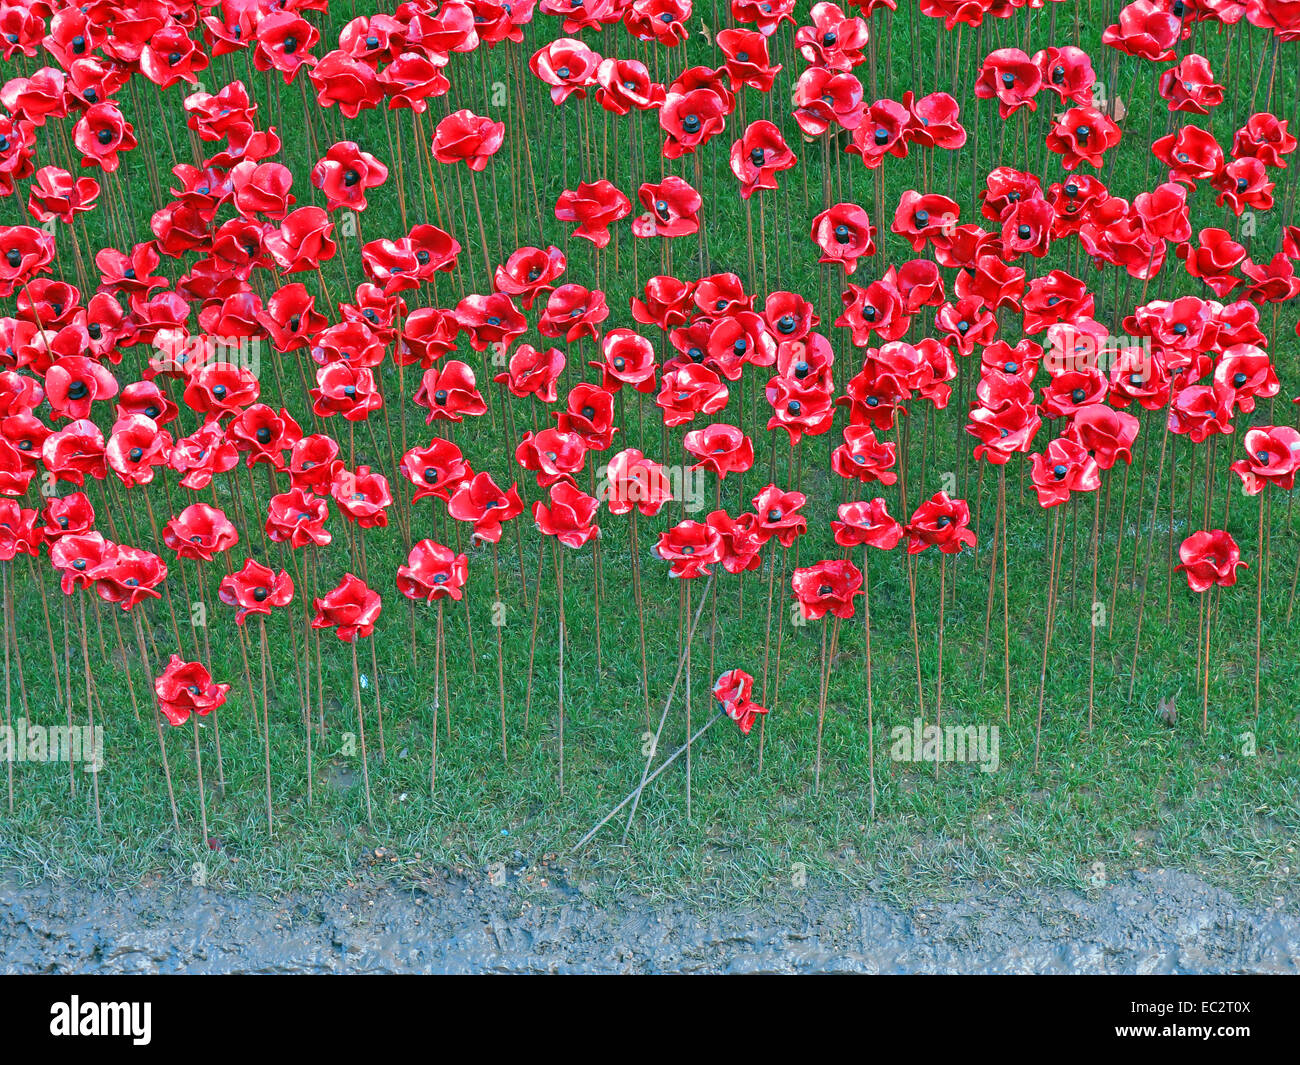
[1132, 790]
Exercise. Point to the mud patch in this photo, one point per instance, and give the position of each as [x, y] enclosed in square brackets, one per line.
[1157, 921]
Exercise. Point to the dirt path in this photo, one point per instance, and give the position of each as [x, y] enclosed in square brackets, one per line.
[1151, 922]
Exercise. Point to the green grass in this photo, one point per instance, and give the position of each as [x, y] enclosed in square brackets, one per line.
[1131, 792]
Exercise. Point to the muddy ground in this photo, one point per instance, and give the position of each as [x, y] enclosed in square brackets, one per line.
[1151, 922]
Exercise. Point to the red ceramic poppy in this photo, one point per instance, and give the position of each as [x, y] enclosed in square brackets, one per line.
[940, 522]
[553, 454]
[1082, 135]
[436, 470]
[1146, 29]
[568, 66]
[1063, 467]
[826, 587]
[834, 40]
[671, 209]
[297, 517]
[480, 501]
[433, 572]
[449, 393]
[1214, 259]
[778, 514]
[186, 688]
[824, 98]
[351, 608]
[1190, 86]
[70, 515]
[567, 515]
[1106, 434]
[573, 312]
[690, 390]
[100, 134]
[1246, 373]
[54, 193]
[1191, 154]
[631, 480]
[1272, 457]
[203, 454]
[19, 533]
[76, 559]
[732, 689]
[362, 496]
[532, 372]
[864, 458]
[720, 448]
[595, 206]
[844, 234]
[345, 174]
[128, 576]
[668, 302]
[659, 21]
[625, 85]
[1067, 72]
[200, 532]
[1263, 137]
[1163, 213]
[342, 388]
[135, 447]
[1242, 184]
[882, 131]
[303, 240]
[491, 319]
[747, 59]
[589, 412]
[690, 548]
[255, 589]
[284, 42]
[867, 524]
[629, 359]
[530, 272]
[934, 121]
[921, 218]
[1209, 557]
[1012, 77]
[690, 119]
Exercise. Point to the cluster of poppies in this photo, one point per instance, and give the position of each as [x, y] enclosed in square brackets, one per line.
[248, 256]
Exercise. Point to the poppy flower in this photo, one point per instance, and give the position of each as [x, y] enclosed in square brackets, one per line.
[1063, 467]
[824, 98]
[631, 480]
[1106, 434]
[465, 136]
[767, 15]
[826, 587]
[844, 234]
[1272, 282]
[1272, 457]
[431, 572]
[54, 193]
[1191, 154]
[553, 454]
[262, 434]
[864, 458]
[1082, 135]
[342, 388]
[1190, 86]
[362, 496]
[100, 134]
[568, 66]
[532, 372]
[789, 316]
[690, 119]
[625, 84]
[345, 173]
[283, 43]
[25, 251]
[595, 206]
[1209, 557]
[128, 576]
[921, 218]
[1263, 137]
[1010, 76]
[19, 533]
[573, 312]
[302, 241]
[1246, 373]
[834, 40]
[660, 21]
[690, 548]
[629, 359]
[255, 589]
[732, 689]
[449, 392]
[1067, 72]
[135, 447]
[940, 522]
[1146, 30]
[1214, 259]
[529, 273]
[1163, 212]
[480, 501]
[720, 448]
[1242, 184]
[690, 390]
[671, 208]
[76, 557]
[867, 524]
[351, 608]
[882, 131]
[667, 302]
[297, 517]
[491, 319]
[934, 121]
[186, 688]
[778, 514]
[747, 59]
[200, 532]
[567, 515]
[70, 515]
